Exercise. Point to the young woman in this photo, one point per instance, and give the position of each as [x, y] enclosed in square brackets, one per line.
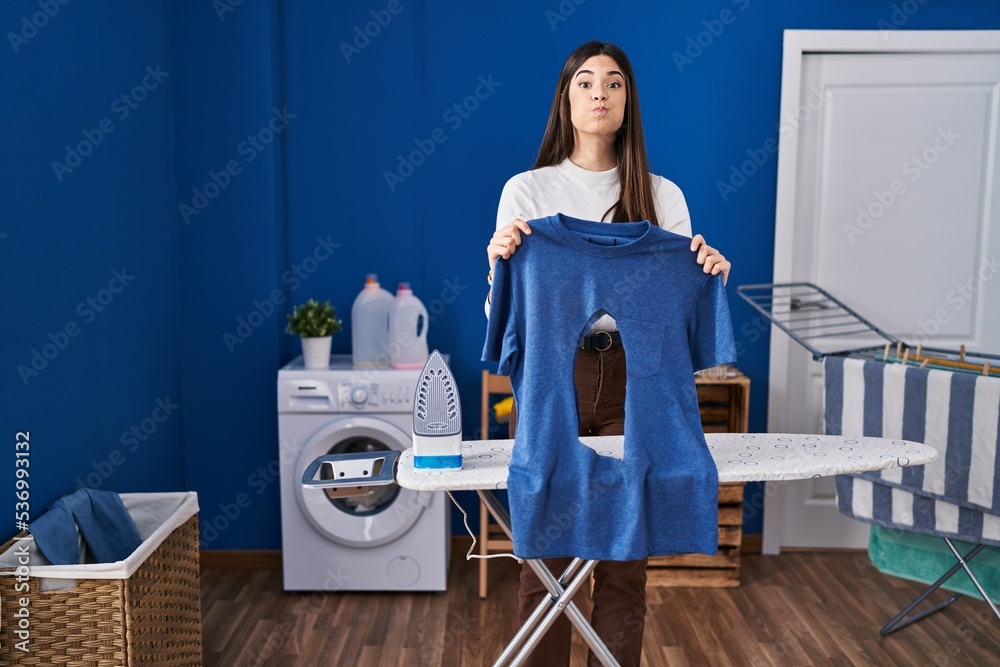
[592, 165]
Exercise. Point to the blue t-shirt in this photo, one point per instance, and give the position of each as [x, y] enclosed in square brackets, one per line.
[565, 498]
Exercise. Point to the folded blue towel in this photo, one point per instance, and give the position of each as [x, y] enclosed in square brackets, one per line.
[103, 521]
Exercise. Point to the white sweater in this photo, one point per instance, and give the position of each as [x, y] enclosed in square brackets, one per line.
[579, 193]
[574, 191]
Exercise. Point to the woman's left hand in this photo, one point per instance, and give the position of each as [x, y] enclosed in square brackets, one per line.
[712, 259]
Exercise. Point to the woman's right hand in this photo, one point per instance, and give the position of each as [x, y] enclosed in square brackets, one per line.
[505, 241]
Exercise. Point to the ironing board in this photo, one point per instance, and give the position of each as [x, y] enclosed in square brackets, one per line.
[740, 457]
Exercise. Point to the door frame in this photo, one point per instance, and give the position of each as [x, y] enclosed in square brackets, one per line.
[796, 45]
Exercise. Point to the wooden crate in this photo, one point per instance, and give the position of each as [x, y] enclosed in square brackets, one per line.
[725, 408]
[698, 570]
[724, 403]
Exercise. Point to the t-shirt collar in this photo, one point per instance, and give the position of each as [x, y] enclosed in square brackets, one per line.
[626, 237]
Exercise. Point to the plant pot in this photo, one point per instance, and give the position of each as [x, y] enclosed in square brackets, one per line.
[316, 351]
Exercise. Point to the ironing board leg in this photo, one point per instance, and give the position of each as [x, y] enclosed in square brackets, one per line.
[898, 622]
[576, 617]
[559, 600]
[536, 616]
[562, 603]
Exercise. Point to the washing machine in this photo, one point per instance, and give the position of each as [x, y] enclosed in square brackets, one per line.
[391, 539]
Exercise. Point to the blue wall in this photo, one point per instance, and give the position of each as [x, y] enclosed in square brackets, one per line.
[218, 218]
[232, 240]
[89, 356]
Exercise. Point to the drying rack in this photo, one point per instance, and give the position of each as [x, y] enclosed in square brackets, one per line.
[808, 313]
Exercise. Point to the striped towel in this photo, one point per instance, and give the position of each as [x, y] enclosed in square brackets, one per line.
[957, 495]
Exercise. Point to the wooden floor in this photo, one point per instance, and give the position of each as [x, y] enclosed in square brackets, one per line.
[795, 609]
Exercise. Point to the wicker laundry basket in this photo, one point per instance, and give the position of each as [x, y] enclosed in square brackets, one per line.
[152, 617]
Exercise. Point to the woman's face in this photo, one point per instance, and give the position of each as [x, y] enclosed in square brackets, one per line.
[597, 96]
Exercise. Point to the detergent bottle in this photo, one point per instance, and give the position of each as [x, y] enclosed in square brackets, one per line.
[370, 325]
[407, 330]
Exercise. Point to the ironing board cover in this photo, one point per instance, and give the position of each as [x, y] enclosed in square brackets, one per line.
[567, 500]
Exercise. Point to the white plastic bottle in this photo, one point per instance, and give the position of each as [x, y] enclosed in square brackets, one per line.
[407, 330]
[370, 325]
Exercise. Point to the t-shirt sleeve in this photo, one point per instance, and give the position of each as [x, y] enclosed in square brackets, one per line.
[501, 332]
[710, 329]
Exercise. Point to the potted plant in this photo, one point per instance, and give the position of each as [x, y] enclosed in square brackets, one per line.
[316, 323]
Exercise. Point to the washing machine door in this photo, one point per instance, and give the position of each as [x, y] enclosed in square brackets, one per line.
[383, 514]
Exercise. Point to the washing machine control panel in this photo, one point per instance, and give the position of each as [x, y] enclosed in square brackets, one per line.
[375, 396]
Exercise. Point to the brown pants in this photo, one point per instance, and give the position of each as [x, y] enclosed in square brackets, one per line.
[619, 614]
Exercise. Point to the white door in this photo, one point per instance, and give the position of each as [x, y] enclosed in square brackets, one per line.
[886, 189]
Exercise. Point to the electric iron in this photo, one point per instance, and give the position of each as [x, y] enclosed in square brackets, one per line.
[437, 418]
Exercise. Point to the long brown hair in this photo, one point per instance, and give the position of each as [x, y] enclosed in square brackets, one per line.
[635, 201]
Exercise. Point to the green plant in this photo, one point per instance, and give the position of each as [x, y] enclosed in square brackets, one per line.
[313, 320]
